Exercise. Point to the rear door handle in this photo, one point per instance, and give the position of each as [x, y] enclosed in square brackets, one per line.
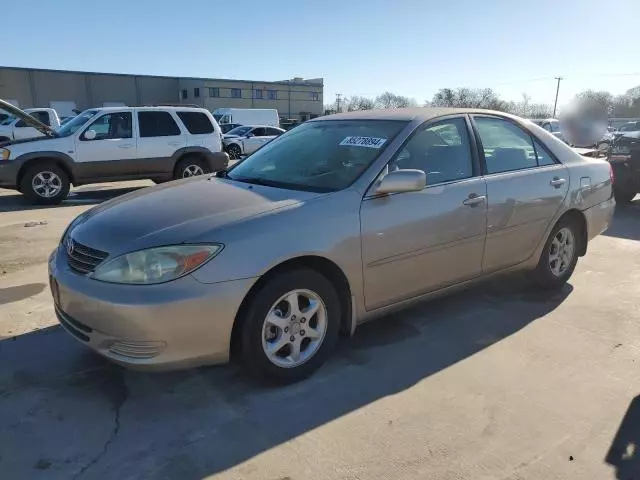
[474, 199]
[125, 145]
[557, 182]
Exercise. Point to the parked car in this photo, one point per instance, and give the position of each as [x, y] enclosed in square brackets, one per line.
[229, 126]
[110, 144]
[552, 125]
[625, 161]
[247, 139]
[14, 128]
[342, 219]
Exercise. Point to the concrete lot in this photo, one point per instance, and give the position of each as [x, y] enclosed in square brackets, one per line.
[497, 382]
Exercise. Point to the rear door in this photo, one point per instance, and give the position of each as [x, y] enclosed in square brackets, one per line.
[112, 153]
[526, 186]
[159, 137]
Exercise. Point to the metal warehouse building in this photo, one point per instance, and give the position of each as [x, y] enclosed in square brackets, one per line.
[295, 99]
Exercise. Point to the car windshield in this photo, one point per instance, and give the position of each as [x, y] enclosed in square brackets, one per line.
[322, 156]
[240, 131]
[73, 125]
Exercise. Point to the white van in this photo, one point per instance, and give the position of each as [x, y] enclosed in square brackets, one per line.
[247, 116]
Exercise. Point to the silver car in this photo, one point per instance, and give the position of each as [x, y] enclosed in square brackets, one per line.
[340, 220]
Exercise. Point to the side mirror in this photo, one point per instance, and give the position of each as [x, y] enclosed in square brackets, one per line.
[402, 181]
[90, 135]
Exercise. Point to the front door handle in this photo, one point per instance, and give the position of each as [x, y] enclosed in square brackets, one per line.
[557, 182]
[474, 199]
[125, 145]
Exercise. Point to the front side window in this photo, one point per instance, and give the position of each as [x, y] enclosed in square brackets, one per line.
[259, 132]
[274, 132]
[257, 93]
[196, 122]
[111, 126]
[441, 150]
[272, 94]
[239, 131]
[236, 93]
[157, 124]
[507, 147]
[320, 156]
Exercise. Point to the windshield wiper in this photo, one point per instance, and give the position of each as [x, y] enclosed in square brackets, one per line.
[252, 180]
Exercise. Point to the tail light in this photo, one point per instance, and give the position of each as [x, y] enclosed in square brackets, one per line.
[612, 177]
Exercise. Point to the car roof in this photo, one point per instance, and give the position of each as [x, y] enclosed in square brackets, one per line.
[160, 108]
[407, 114]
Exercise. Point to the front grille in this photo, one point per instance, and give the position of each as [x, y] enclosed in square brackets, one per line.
[81, 258]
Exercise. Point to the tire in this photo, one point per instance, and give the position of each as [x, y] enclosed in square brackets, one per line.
[543, 276]
[256, 333]
[623, 196]
[234, 151]
[49, 176]
[191, 166]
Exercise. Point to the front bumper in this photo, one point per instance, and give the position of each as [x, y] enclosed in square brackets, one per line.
[179, 324]
[9, 173]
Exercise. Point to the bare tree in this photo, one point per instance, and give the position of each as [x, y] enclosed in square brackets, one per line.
[391, 100]
[355, 103]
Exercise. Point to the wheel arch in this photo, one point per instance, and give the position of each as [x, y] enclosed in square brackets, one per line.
[215, 161]
[319, 264]
[578, 217]
[40, 157]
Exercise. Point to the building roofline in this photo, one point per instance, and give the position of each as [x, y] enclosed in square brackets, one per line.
[80, 72]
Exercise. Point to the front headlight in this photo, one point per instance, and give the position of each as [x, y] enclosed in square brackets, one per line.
[155, 265]
[5, 153]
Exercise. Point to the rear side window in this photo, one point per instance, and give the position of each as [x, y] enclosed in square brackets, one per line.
[507, 147]
[196, 122]
[157, 124]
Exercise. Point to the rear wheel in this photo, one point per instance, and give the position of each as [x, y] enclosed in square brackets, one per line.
[559, 256]
[45, 184]
[290, 327]
[623, 196]
[191, 166]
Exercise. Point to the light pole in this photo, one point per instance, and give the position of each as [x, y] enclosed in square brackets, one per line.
[556, 102]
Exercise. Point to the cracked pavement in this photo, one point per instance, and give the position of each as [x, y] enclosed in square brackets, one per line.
[495, 382]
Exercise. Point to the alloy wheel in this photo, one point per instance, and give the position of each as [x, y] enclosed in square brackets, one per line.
[294, 328]
[46, 184]
[561, 251]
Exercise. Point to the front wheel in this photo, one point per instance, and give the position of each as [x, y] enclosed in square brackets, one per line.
[234, 151]
[290, 327]
[559, 256]
[45, 184]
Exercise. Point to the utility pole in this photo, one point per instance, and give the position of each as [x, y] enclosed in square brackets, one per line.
[338, 95]
[556, 102]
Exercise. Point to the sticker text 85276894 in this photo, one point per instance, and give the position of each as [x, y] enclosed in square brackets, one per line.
[368, 142]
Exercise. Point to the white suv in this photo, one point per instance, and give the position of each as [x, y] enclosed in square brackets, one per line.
[111, 144]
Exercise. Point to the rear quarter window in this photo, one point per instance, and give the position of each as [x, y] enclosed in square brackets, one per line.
[196, 122]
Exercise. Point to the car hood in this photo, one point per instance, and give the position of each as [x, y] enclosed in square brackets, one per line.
[177, 212]
[23, 140]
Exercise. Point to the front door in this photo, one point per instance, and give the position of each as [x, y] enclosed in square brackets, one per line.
[259, 137]
[112, 150]
[417, 242]
[525, 187]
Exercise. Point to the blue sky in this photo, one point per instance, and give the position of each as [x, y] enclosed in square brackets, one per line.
[360, 47]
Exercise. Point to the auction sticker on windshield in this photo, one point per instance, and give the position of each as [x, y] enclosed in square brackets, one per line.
[369, 142]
